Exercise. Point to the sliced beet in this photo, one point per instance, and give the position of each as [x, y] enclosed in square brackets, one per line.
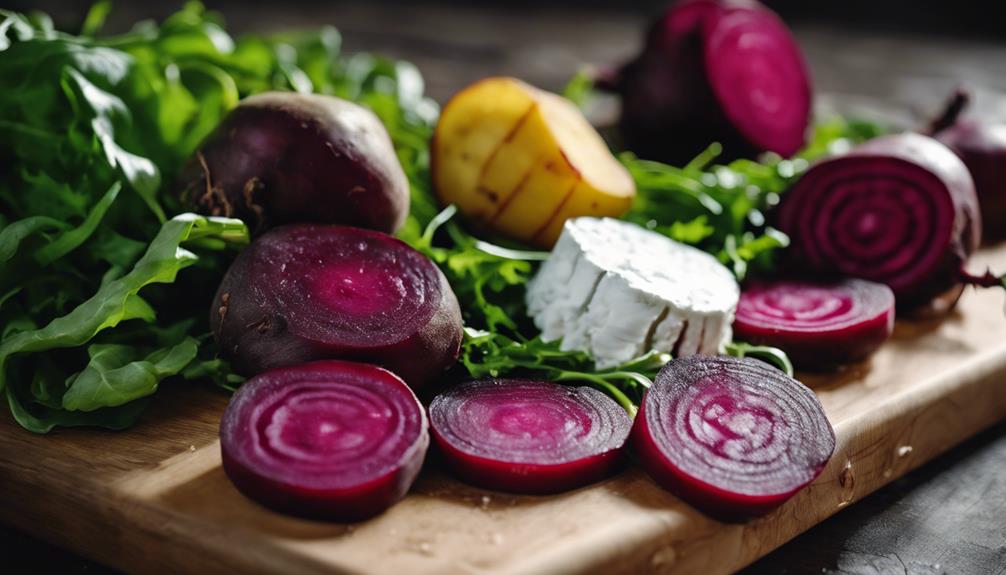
[715, 70]
[818, 324]
[284, 157]
[329, 440]
[526, 436]
[899, 210]
[307, 292]
[733, 437]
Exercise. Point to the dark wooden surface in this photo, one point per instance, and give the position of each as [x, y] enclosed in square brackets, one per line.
[947, 517]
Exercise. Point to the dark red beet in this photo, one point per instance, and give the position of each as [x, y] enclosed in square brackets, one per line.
[899, 210]
[527, 436]
[715, 70]
[284, 157]
[329, 440]
[818, 325]
[306, 292]
[982, 147]
[733, 437]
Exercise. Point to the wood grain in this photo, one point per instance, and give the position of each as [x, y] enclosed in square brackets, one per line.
[154, 499]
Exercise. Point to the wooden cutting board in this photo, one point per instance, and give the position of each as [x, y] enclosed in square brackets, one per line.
[155, 500]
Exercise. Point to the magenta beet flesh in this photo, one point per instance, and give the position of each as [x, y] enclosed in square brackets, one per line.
[283, 157]
[900, 210]
[733, 437]
[715, 70]
[306, 292]
[527, 436]
[819, 325]
[329, 440]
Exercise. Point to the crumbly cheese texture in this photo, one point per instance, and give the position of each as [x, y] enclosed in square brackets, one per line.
[617, 291]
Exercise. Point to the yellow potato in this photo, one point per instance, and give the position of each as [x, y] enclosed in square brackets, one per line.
[521, 161]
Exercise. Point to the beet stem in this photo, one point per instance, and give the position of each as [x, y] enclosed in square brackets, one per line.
[598, 380]
[959, 100]
[986, 280]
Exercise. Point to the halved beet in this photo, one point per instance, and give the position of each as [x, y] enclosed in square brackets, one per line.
[715, 70]
[526, 436]
[329, 440]
[284, 157]
[819, 325]
[307, 292]
[733, 437]
[899, 210]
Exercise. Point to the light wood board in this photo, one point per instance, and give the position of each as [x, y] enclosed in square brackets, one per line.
[154, 499]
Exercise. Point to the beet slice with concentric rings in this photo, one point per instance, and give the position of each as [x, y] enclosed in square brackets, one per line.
[329, 440]
[309, 292]
[819, 325]
[525, 436]
[899, 210]
[733, 437]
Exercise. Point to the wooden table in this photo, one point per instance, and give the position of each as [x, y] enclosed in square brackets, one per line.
[945, 517]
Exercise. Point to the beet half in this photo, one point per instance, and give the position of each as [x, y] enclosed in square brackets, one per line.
[818, 325]
[328, 440]
[525, 436]
[283, 157]
[982, 147]
[715, 70]
[899, 210]
[307, 292]
[733, 437]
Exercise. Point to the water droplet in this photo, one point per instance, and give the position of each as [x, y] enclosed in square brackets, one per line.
[192, 448]
[904, 450]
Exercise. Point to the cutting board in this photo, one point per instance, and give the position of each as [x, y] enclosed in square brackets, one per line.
[154, 499]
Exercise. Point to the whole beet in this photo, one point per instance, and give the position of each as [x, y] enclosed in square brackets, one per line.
[285, 157]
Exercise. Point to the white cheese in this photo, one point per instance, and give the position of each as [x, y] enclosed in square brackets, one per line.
[617, 291]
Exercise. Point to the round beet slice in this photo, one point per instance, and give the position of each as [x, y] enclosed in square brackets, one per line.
[899, 210]
[329, 440]
[527, 436]
[733, 437]
[819, 325]
[307, 292]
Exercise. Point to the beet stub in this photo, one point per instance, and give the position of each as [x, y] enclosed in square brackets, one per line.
[524, 436]
[714, 70]
[306, 292]
[733, 437]
[328, 440]
[283, 158]
[819, 325]
[899, 210]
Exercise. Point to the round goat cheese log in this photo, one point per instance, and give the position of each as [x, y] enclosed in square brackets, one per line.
[618, 291]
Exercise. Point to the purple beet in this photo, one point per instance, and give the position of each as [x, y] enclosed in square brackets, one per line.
[982, 147]
[900, 210]
[307, 292]
[283, 157]
[527, 436]
[329, 440]
[715, 70]
[818, 325]
[733, 437]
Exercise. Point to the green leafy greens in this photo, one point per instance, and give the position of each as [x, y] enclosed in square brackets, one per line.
[104, 284]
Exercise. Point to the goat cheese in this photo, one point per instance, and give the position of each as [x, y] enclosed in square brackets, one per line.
[617, 291]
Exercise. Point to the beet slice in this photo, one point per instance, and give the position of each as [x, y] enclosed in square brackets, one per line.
[819, 325]
[284, 157]
[733, 437]
[328, 440]
[899, 210]
[526, 436]
[308, 292]
[715, 70]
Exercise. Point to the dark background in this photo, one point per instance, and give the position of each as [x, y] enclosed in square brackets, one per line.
[894, 60]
